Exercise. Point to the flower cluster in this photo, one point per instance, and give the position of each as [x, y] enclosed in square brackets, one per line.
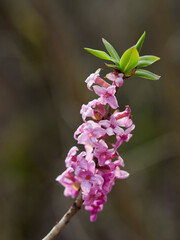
[95, 169]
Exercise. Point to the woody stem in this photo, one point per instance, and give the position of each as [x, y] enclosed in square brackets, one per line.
[76, 206]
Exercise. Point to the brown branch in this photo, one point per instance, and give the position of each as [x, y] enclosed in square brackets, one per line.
[66, 218]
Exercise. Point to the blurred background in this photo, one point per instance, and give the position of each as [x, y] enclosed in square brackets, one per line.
[42, 71]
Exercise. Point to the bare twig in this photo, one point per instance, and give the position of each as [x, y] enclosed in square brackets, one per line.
[66, 218]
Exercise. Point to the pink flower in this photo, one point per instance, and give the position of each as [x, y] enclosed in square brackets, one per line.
[94, 208]
[92, 78]
[124, 118]
[93, 109]
[70, 182]
[109, 179]
[95, 169]
[117, 78]
[120, 174]
[125, 137]
[75, 162]
[85, 165]
[71, 156]
[79, 130]
[119, 161]
[91, 196]
[86, 111]
[107, 95]
[102, 153]
[90, 180]
[94, 212]
[111, 126]
[90, 132]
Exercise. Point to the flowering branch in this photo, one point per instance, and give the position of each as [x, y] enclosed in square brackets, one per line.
[76, 206]
[90, 175]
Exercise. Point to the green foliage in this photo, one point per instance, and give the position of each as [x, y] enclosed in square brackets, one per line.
[147, 60]
[146, 74]
[140, 42]
[129, 60]
[111, 65]
[99, 54]
[111, 50]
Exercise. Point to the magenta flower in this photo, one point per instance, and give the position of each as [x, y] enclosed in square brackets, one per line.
[107, 95]
[85, 165]
[123, 118]
[124, 138]
[102, 153]
[91, 196]
[70, 182]
[94, 208]
[86, 111]
[90, 133]
[92, 78]
[117, 78]
[119, 161]
[121, 174]
[109, 181]
[79, 130]
[95, 169]
[75, 162]
[90, 180]
[71, 156]
[111, 126]
[93, 109]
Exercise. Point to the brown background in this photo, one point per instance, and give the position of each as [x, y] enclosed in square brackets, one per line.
[42, 71]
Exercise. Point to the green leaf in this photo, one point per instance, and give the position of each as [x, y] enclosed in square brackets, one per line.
[140, 42]
[147, 60]
[99, 54]
[146, 74]
[129, 60]
[115, 61]
[112, 65]
[111, 50]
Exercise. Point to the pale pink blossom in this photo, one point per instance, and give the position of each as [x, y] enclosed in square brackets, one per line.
[93, 109]
[71, 156]
[94, 208]
[120, 174]
[92, 78]
[117, 78]
[123, 118]
[90, 133]
[95, 78]
[95, 169]
[79, 130]
[70, 182]
[90, 180]
[91, 196]
[107, 95]
[86, 111]
[84, 166]
[112, 126]
[102, 153]
[123, 138]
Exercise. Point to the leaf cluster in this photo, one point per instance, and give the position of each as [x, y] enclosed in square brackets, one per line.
[130, 63]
